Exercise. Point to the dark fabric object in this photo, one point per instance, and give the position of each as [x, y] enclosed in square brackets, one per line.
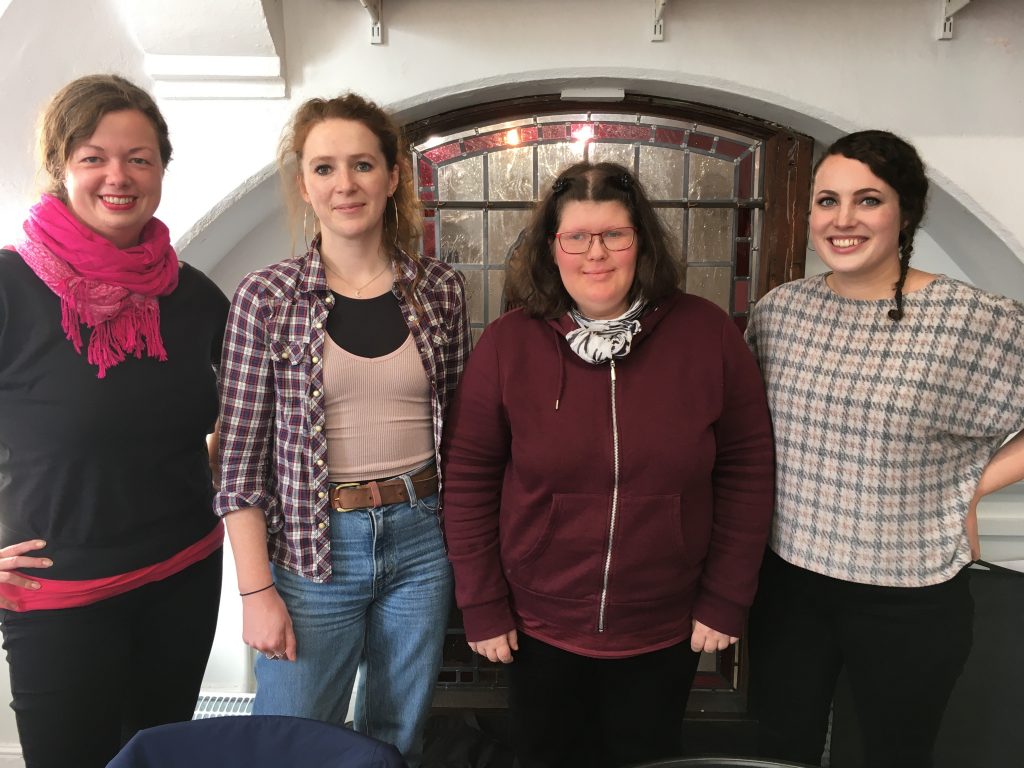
[464, 740]
[903, 649]
[272, 741]
[113, 473]
[571, 710]
[367, 327]
[982, 724]
[84, 680]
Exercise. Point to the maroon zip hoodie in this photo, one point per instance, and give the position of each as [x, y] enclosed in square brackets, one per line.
[600, 508]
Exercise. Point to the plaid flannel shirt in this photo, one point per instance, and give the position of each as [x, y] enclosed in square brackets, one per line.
[272, 439]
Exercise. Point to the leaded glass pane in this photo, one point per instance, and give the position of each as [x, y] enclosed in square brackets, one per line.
[462, 237]
[475, 295]
[661, 172]
[503, 227]
[462, 180]
[711, 178]
[606, 152]
[710, 235]
[551, 159]
[672, 220]
[495, 287]
[510, 174]
[710, 282]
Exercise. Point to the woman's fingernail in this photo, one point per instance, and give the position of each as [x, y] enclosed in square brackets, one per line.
[47, 562]
[34, 585]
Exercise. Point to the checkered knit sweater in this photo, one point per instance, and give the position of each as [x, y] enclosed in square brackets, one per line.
[882, 428]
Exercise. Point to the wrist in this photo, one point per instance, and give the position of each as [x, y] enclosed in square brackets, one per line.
[256, 591]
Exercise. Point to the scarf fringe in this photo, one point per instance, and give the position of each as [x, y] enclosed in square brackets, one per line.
[130, 333]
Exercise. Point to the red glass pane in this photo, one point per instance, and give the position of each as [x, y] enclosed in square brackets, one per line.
[742, 259]
[669, 135]
[528, 135]
[618, 131]
[444, 152]
[740, 294]
[746, 185]
[426, 171]
[554, 132]
[429, 246]
[480, 143]
[700, 141]
[426, 194]
[743, 223]
[582, 131]
[730, 148]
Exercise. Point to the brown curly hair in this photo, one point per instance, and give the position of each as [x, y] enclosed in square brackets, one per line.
[532, 279]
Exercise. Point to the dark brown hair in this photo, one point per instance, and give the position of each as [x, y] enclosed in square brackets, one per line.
[897, 163]
[533, 281]
[403, 217]
[74, 112]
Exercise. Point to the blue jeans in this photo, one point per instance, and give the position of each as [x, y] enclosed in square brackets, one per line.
[384, 612]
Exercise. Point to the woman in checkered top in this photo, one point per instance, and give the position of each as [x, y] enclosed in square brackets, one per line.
[338, 368]
[892, 393]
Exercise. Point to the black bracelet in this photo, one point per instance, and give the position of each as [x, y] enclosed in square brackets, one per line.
[262, 589]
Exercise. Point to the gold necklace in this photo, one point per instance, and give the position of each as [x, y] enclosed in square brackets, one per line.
[359, 290]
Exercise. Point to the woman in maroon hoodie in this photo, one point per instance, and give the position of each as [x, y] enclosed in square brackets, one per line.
[609, 480]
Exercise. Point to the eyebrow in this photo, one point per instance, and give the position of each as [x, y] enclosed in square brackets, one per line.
[332, 158]
[865, 191]
[94, 147]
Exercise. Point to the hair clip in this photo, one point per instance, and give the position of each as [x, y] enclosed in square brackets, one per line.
[561, 184]
[626, 181]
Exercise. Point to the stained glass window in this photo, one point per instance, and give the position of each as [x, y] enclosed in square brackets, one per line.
[479, 185]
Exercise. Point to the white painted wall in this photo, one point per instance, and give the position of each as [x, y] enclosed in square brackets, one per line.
[822, 67]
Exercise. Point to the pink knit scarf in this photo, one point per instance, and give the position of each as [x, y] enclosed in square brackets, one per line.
[112, 290]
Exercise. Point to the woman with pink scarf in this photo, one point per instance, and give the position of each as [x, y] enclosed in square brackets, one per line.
[111, 556]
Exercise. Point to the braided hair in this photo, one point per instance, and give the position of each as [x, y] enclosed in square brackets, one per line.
[897, 163]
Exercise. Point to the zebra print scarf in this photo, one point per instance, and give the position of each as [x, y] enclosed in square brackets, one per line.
[598, 341]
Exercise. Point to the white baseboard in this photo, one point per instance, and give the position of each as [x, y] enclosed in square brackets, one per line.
[10, 756]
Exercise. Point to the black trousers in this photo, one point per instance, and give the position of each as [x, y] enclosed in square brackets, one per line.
[569, 710]
[84, 680]
[903, 649]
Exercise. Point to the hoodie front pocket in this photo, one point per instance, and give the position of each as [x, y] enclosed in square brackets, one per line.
[564, 558]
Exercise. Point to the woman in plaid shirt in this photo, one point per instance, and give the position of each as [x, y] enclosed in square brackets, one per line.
[338, 368]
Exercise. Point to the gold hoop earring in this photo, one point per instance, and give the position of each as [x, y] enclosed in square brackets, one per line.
[395, 203]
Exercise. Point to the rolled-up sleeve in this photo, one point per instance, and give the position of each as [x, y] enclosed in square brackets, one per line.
[247, 408]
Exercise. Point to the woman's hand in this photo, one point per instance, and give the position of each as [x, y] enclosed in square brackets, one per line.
[497, 648]
[13, 558]
[266, 625]
[704, 638]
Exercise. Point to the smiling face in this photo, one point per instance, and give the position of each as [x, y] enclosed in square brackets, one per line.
[115, 177]
[599, 280]
[855, 221]
[346, 180]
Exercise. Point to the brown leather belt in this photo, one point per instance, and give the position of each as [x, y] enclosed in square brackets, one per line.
[346, 497]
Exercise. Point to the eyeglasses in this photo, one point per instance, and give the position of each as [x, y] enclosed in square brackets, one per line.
[618, 239]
